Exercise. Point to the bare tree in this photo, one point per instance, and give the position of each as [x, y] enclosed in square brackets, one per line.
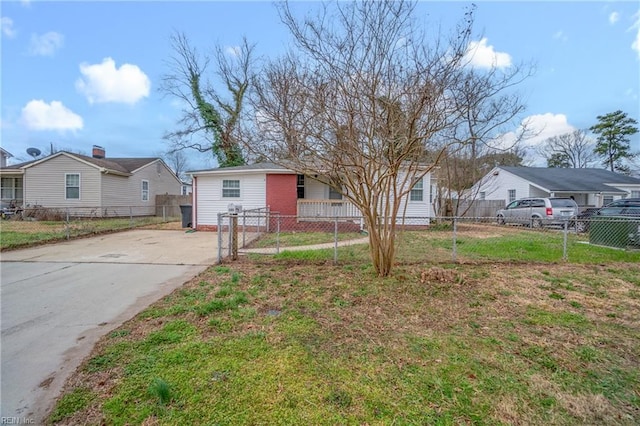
[358, 103]
[178, 162]
[572, 150]
[486, 108]
[210, 121]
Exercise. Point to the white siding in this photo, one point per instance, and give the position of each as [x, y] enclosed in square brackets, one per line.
[45, 183]
[209, 201]
[496, 187]
[417, 209]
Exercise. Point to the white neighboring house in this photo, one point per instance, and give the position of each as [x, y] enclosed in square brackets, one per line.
[589, 187]
[262, 185]
[4, 156]
[95, 185]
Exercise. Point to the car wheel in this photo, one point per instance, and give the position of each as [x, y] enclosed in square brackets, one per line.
[500, 220]
[536, 222]
[581, 226]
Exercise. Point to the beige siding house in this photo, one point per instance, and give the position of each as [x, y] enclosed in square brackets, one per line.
[94, 186]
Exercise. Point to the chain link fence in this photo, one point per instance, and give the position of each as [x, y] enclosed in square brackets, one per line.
[424, 239]
[39, 224]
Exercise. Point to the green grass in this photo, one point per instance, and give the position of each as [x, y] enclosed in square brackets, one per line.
[281, 341]
[437, 246]
[71, 402]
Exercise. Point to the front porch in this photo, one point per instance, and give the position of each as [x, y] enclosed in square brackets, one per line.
[319, 210]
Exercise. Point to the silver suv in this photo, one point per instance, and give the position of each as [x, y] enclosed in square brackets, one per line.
[536, 212]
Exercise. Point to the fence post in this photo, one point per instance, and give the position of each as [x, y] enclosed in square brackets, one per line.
[67, 227]
[278, 235]
[244, 228]
[233, 224]
[164, 213]
[455, 236]
[267, 223]
[335, 242]
[130, 217]
[230, 235]
[219, 237]
[564, 240]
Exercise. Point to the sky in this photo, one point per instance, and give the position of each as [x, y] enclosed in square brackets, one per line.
[81, 73]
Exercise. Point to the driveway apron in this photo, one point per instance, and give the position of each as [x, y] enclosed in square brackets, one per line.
[58, 300]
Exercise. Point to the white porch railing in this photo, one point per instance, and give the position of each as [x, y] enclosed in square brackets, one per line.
[326, 209]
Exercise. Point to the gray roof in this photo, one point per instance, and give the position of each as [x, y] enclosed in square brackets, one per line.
[122, 165]
[246, 167]
[572, 180]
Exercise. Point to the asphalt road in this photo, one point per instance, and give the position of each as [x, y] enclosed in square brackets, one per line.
[58, 300]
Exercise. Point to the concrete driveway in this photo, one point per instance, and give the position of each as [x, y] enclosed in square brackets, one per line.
[58, 300]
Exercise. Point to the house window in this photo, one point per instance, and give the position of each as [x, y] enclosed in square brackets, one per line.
[300, 186]
[607, 199]
[482, 195]
[145, 190]
[334, 195]
[72, 186]
[635, 194]
[512, 195]
[417, 191]
[230, 189]
[11, 188]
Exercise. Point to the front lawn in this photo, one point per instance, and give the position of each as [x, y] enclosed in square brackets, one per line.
[288, 342]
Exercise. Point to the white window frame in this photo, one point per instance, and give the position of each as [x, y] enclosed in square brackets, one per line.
[635, 194]
[231, 188]
[144, 192]
[14, 191]
[66, 187]
[482, 195]
[511, 195]
[416, 194]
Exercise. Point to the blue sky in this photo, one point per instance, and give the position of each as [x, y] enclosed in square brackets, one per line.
[75, 74]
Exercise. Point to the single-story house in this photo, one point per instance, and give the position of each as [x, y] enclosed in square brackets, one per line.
[589, 187]
[283, 191]
[96, 185]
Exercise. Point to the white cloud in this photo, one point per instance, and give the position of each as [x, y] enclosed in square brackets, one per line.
[560, 35]
[105, 83]
[481, 55]
[45, 44]
[544, 126]
[534, 130]
[39, 115]
[614, 17]
[636, 27]
[7, 27]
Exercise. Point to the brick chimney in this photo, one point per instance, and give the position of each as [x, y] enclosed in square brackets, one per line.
[98, 151]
